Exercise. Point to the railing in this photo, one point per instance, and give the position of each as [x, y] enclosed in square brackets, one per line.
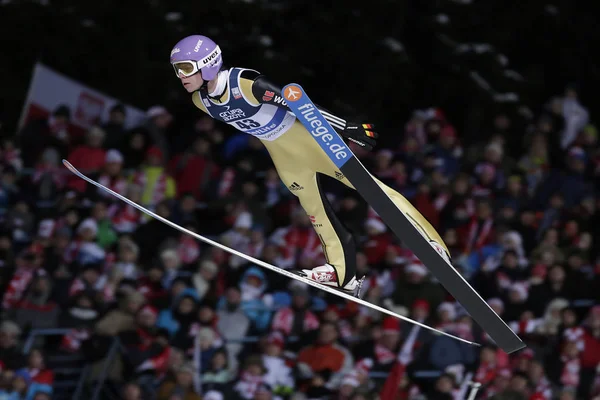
[34, 333]
[115, 349]
[113, 352]
[69, 385]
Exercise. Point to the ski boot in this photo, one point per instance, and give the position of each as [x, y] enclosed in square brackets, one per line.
[326, 275]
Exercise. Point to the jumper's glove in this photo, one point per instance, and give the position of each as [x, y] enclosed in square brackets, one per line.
[363, 135]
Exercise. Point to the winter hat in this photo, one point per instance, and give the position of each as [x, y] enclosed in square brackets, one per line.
[155, 151]
[10, 328]
[386, 153]
[495, 147]
[156, 111]
[187, 367]
[169, 254]
[350, 380]
[114, 156]
[376, 225]
[390, 325]
[244, 221]
[88, 223]
[96, 131]
[51, 156]
[539, 270]
[23, 373]
[449, 308]
[558, 304]
[416, 268]
[521, 289]
[277, 339]
[213, 395]
[46, 228]
[448, 131]
[150, 310]
[206, 334]
[505, 373]
[209, 266]
[496, 302]
[421, 303]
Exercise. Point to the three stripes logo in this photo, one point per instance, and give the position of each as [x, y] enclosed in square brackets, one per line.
[294, 187]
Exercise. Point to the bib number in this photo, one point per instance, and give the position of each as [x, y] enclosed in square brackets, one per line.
[247, 124]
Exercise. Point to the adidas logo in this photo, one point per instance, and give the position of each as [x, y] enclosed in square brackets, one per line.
[339, 175]
[295, 186]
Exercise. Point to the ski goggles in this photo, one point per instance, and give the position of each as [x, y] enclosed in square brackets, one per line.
[189, 67]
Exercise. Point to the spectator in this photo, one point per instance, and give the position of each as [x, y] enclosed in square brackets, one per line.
[54, 131]
[151, 286]
[115, 127]
[134, 150]
[157, 124]
[193, 170]
[523, 233]
[154, 233]
[154, 180]
[278, 375]
[88, 158]
[112, 177]
[218, 373]
[255, 302]
[182, 388]
[147, 347]
[36, 370]
[131, 391]
[106, 236]
[122, 318]
[80, 316]
[415, 286]
[21, 221]
[296, 320]
[10, 354]
[232, 322]
[172, 264]
[179, 319]
[443, 389]
[203, 279]
[250, 380]
[327, 357]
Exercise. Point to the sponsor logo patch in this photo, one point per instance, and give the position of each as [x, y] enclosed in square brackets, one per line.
[294, 186]
[268, 96]
[313, 221]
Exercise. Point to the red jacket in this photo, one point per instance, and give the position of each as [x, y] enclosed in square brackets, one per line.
[87, 159]
[193, 174]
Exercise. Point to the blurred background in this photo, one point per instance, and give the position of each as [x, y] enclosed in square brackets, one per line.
[486, 112]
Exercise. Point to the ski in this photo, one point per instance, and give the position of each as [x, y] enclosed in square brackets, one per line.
[258, 262]
[349, 165]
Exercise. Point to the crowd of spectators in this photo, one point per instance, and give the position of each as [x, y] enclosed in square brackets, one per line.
[521, 223]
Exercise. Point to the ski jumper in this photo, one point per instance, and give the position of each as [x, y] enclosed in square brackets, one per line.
[251, 104]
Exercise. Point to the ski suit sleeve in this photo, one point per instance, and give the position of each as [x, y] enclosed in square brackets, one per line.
[267, 92]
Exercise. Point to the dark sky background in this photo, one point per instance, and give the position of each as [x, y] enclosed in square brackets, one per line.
[338, 51]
